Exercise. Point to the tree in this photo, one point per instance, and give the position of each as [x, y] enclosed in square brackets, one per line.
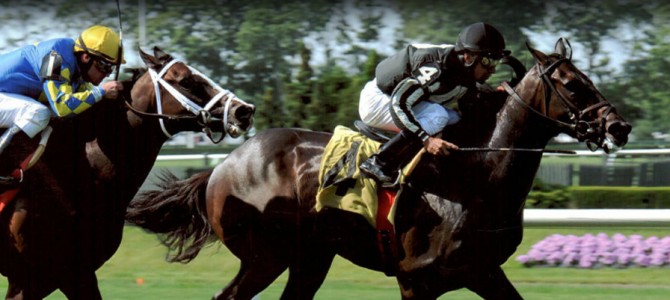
[347, 111]
[642, 90]
[31, 21]
[299, 92]
[328, 97]
[269, 113]
[592, 23]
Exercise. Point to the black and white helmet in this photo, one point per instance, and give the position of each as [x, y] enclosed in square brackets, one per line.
[483, 39]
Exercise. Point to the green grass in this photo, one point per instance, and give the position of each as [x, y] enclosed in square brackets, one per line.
[141, 256]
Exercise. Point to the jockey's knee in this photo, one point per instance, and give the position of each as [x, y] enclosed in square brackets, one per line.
[434, 125]
[34, 122]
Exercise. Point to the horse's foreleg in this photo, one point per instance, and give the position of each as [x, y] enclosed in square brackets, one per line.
[83, 286]
[492, 283]
[252, 278]
[28, 284]
[307, 274]
[14, 292]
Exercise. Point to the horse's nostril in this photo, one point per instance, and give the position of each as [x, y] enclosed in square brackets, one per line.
[244, 112]
[619, 128]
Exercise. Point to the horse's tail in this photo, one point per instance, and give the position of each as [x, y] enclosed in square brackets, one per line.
[176, 212]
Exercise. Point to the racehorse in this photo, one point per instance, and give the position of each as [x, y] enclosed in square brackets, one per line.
[458, 219]
[72, 203]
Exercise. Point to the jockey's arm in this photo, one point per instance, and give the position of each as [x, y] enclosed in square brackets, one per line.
[66, 102]
[409, 92]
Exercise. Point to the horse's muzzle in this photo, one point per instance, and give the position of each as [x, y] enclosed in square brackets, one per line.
[243, 119]
[618, 132]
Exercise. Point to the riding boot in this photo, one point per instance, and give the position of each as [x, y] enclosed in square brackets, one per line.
[383, 166]
[5, 139]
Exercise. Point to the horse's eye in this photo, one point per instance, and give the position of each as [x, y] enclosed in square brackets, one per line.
[187, 82]
[575, 87]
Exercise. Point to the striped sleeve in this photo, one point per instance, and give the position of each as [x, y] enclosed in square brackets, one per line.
[407, 93]
[67, 102]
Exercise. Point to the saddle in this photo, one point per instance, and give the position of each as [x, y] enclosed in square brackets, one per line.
[373, 133]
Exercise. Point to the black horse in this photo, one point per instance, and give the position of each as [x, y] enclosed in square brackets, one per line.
[458, 218]
[68, 217]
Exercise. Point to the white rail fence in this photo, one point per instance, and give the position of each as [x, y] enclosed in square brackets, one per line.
[597, 217]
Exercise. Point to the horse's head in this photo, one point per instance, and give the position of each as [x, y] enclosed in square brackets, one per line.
[180, 92]
[572, 100]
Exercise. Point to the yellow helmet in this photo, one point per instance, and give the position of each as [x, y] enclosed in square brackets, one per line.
[100, 41]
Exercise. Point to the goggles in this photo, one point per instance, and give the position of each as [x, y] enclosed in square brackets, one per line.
[490, 62]
[104, 66]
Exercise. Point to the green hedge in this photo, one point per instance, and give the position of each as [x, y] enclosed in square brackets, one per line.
[619, 197]
[548, 195]
[544, 195]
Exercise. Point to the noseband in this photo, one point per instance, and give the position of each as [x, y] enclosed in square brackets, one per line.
[202, 114]
[592, 132]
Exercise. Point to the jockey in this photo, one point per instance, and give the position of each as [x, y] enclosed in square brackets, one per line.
[412, 88]
[63, 72]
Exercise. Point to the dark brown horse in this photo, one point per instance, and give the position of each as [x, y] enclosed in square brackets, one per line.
[458, 219]
[72, 202]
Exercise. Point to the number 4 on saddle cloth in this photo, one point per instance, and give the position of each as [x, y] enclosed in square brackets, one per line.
[10, 184]
[343, 186]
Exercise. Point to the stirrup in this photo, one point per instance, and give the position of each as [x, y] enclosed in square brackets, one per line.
[393, 185]
[405, 171]
[385, 184]
[10, 181]
[371, 168]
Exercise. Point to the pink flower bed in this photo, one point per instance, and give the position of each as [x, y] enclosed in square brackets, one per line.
[601, 250]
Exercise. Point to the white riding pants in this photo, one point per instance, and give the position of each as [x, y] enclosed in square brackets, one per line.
[26, 113]
[374, 108]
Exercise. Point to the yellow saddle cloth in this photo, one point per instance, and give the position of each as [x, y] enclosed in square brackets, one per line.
[341, 184]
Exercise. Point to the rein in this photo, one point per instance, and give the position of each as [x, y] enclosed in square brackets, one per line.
[488, 149]
[516, 97]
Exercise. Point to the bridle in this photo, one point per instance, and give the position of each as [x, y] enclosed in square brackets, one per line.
[202, 115]
[592, 132]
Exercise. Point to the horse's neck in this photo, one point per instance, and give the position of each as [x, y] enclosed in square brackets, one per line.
[123, 150]
[518, 127]
[134, 141]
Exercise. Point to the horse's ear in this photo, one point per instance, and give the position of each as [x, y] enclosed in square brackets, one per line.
[162, 55]
[149, 60]
[563, 48]
[539, 56]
